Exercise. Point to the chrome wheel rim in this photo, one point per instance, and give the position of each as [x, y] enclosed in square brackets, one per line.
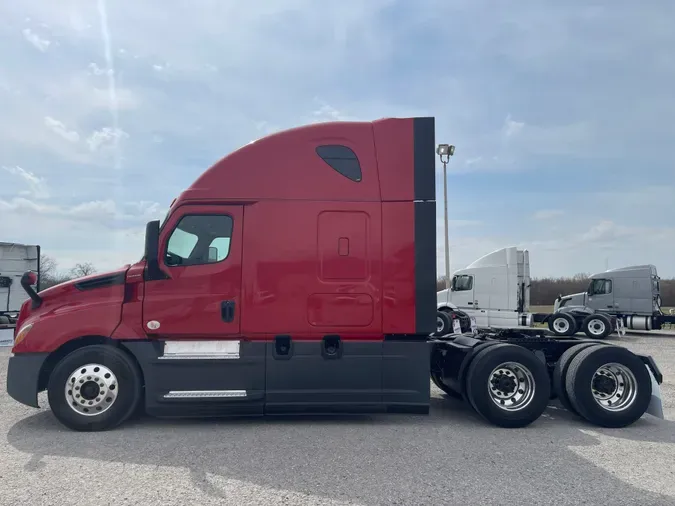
[614, 387]
[561, 325]
[596, 327]
[439, 324]
[511, 386]
[91, 389]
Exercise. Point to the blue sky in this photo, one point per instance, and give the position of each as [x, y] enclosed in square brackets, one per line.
[561, 113]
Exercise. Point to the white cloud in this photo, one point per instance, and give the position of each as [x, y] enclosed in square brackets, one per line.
[37, 186]
[60, 129]
[102, 232]
[105, 137]
[512, 127]
[98, 71]
[38, 42]
[328, 113]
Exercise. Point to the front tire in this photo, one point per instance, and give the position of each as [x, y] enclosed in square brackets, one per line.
[94, 388]
[508, 385]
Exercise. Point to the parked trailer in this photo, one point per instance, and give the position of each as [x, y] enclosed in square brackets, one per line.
[296, 275]
[15, 259]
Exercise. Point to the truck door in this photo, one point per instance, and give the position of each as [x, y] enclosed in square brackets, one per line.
[601, 294]
[196, 309]
[462, 291]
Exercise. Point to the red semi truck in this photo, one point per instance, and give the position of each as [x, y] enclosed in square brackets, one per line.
[298, 275]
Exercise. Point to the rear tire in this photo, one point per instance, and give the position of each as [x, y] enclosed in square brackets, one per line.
[562, 324]
[508, 385]
[106, 388]
[608, 386]
[597, 326]
[560, 373]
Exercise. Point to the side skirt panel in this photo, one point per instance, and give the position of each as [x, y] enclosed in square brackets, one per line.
[198, 385]
[406, 376]
[307, 380]
[363, 377]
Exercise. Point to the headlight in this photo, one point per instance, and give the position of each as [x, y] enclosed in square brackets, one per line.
[22, 333]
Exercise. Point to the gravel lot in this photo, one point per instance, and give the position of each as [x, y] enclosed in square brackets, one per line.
[448, 457]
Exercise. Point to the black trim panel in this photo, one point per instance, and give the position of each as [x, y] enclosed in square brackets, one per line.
[367, 377]
[311, 381]
[405, 376]
[23, 374]
[162, 376]
[425, 267]
[102, 281]
[424, 152]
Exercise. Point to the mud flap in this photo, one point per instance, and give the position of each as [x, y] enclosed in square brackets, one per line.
[655, 407]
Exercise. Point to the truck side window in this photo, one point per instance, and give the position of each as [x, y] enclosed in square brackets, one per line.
[600, 287]
[342, 159]
[462, 283]
[199, 239]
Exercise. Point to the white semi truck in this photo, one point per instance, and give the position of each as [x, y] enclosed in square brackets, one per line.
[494, 292]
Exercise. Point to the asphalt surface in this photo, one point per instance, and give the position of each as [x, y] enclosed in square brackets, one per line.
[448, 457]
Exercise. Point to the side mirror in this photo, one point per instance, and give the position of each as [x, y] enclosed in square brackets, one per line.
[152, 251]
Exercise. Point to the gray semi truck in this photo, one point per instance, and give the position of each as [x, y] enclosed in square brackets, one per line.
[631, 295]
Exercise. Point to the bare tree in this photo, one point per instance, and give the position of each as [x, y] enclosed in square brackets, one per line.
[47, 266]
[50, 275]
[81, 270]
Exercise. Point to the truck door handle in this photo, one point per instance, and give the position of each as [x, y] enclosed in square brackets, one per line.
[227, 310]
[471, 303]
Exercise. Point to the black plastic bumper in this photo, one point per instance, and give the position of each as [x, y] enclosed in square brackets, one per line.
[23, 374]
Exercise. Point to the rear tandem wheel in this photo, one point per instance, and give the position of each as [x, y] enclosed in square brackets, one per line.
[608, 386]
[508, 385]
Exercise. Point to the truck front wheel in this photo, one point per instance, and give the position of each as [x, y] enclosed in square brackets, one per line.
[508, 385]
[94, 388]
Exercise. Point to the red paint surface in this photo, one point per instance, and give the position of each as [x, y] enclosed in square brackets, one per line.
[312, 253]
[67, 313]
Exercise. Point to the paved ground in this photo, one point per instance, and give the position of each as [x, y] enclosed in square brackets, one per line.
[449, 457]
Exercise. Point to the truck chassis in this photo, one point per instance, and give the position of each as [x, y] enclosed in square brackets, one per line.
[524, 370]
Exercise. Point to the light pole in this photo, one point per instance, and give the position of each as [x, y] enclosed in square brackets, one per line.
[445, 151]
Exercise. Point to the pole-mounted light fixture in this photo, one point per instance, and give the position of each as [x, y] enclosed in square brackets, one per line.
[445, 151]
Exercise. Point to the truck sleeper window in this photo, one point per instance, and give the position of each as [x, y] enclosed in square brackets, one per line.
[342, 159]
[199, 239]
